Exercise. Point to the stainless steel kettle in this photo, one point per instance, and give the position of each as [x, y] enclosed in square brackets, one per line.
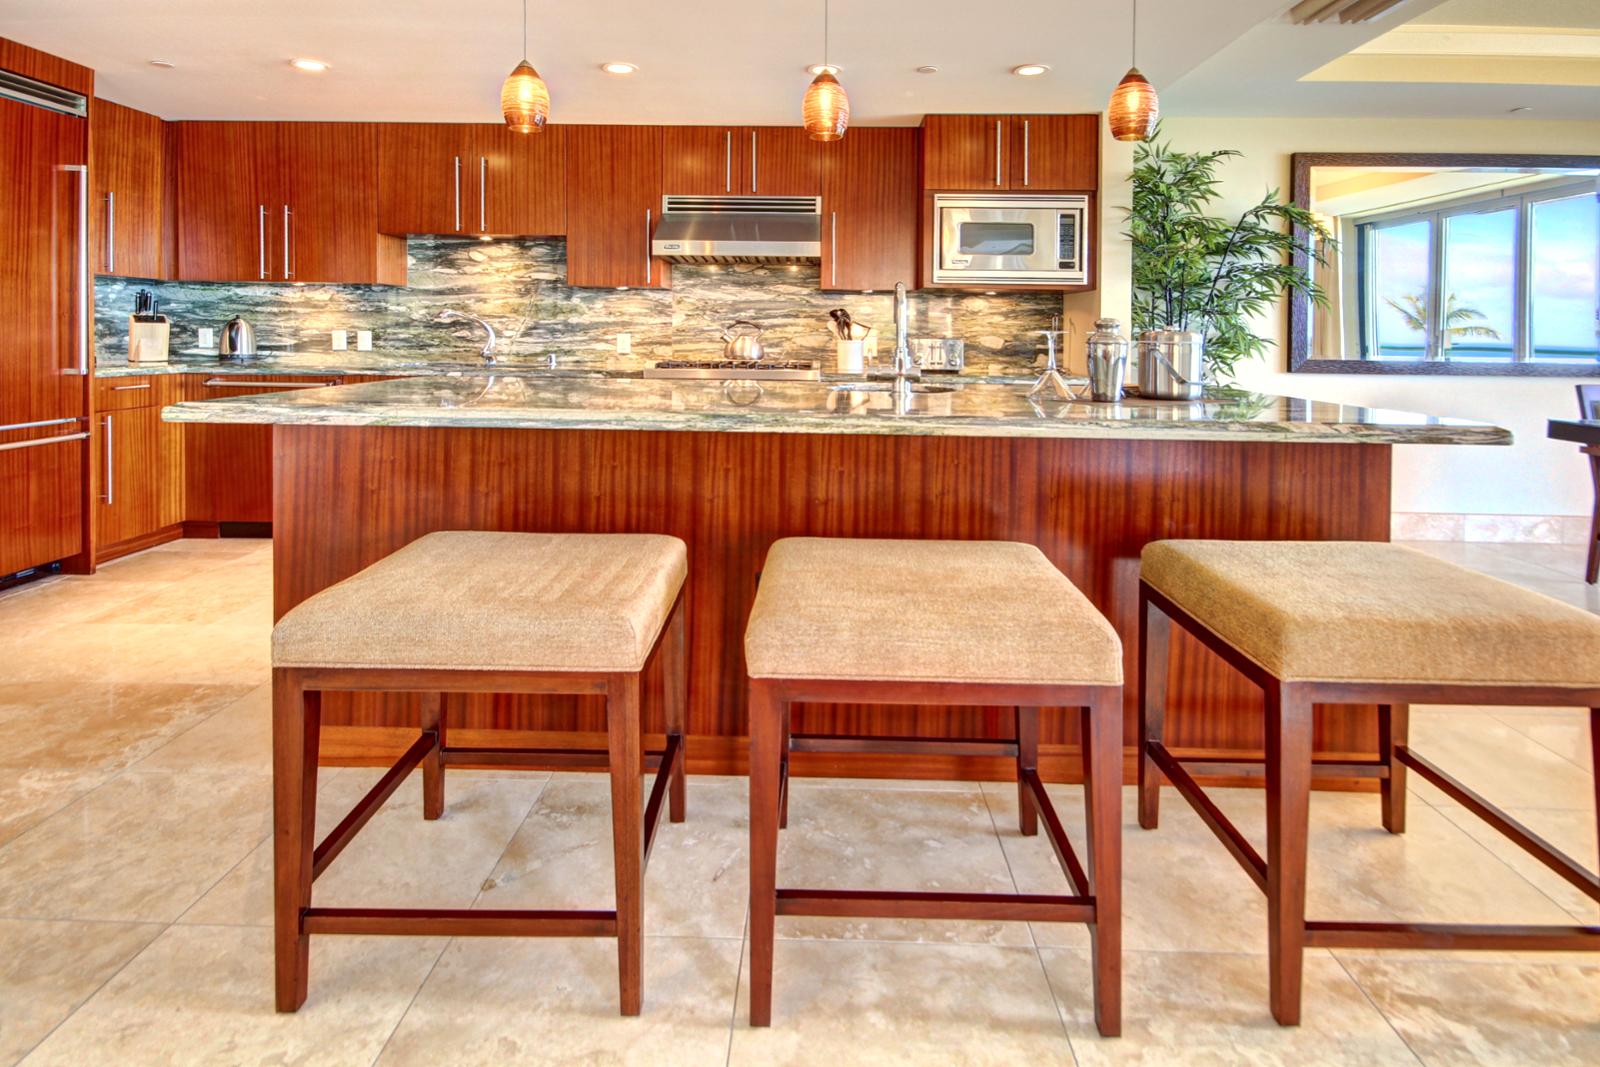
[238, 339]
[742, 340]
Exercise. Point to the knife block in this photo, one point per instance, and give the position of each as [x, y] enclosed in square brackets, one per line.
[148, 341]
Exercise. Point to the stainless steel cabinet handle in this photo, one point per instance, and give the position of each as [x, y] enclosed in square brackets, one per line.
[125, 388]
[833, 241]
[1025, 125]
[647, 263]
[111, 232]
[37, 441]
[110, 479]
[752, 161]
[223, 383]
[36, 425]
[261, 239]
[727, 162]
[83, 323]
[483, 194]
[288, 262]
[997, 151]
[458, 194]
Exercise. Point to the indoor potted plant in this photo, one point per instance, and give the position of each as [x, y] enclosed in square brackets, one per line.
[1199, 278]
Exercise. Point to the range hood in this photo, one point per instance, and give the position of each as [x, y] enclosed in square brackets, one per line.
[733, 229]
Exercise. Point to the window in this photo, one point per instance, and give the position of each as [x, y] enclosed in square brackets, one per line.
[1510, 277]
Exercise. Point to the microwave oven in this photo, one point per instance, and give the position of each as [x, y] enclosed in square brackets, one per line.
[1001, 240]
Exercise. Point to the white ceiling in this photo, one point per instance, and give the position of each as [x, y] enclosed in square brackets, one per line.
[705, 61]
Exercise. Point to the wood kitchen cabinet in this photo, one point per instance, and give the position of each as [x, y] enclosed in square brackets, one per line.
[282, 202]
[478, 178]
[741, 161]
[127, 171]
[139, 496]
[870, 206]
[1016, 153]
[614, 181]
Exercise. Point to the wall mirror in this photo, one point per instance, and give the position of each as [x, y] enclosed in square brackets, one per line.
[1450, 264]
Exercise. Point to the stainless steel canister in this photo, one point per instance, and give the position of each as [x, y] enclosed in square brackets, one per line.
[1172, 364]
[1108, 361]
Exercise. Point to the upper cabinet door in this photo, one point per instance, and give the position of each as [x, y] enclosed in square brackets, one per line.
[229, 192]
[516, 182]
[328, 217]
[426, 172]
[614, 176]
[870, 205]
[126, 210]
[783, 161]
[1051, 153]
[704, 160]
[965, 152]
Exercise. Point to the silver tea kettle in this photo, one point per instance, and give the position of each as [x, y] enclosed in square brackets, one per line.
[238, 339]
[742, 340]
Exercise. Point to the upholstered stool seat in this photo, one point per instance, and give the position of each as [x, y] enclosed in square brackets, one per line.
[492, 613]
[1356, 623]
[472, 600]
[1361, 611]
[930, 611]
[975, 623]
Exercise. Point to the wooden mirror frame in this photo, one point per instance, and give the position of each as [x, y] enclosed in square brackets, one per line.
[1300, 358]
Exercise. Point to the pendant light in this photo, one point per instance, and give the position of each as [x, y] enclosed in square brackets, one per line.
[524, 99]
[825, 111]
[1134, 108]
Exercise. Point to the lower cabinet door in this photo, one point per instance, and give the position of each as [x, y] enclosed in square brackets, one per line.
[129, 459]
[41, 496]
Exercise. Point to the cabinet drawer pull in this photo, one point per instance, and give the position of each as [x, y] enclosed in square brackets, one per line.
[110, 482]
[111, 232]
[1025, 125]
[833, 240]
[222, 383]
[37, 441]
[288, 258]
[483, 194]
[83, 266]
[125, 388]
[36, 425]
[752, 161]
[458, 194]
[727, 162]
[648, 264]
[261, 240]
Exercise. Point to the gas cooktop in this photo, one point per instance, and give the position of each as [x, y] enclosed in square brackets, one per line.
[767, 370]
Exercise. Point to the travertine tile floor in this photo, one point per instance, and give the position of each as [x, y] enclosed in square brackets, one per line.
[135, 886]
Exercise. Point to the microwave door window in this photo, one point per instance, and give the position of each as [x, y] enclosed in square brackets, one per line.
[989, 239]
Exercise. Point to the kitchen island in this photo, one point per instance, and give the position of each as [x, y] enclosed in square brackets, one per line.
[363, 469]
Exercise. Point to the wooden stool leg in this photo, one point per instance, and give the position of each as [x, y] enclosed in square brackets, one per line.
[296, 732]
[1594, 753]
[783, 776]
[627, 835]
[1102, 783]
[1028, 760]
[1288, 823]
[1155, 638]
[433, 762]
[675, 674]
[1592, 571]
[767, 715]
[1394, 726]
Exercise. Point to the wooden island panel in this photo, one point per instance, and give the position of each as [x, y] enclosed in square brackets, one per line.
[345, 497]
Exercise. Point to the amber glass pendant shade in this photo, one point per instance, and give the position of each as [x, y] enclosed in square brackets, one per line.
[825, 111]
[1134, 109]
[524, 99]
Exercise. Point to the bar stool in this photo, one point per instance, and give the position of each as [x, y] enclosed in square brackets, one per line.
[473, 612]
[935, 622]
[1355, 623]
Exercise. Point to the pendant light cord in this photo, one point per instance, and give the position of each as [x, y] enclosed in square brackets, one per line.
[1133, 45]
[825, 5]
[524, 31]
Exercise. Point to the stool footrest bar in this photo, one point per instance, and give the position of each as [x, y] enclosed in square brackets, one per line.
[850, 903]
[901, 746]
[458, 922]
[1509, 828]
[1462, 936]
[368, 805]
[1210, 814]
[597, 759]
[1242, 767]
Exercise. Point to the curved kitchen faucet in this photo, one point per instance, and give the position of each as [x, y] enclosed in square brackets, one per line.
[452, 315]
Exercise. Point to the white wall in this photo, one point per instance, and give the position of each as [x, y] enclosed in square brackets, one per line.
[1532, 477]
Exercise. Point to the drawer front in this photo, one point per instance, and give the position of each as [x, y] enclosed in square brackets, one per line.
[127, 391]
[218, 386]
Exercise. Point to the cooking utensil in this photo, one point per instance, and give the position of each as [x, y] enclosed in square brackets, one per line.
[741, 340]
[841, 324]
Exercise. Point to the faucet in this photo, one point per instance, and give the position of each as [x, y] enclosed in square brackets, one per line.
[905, 367]
[452, 315]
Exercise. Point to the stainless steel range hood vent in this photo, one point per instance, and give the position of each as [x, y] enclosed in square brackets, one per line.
[735, 229]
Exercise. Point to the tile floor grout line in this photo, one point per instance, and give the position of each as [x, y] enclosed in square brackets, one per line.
[400, 1021]
[1505, 720]
[1381, 1013]
[94, 993]
[221, 878]
[738, 977]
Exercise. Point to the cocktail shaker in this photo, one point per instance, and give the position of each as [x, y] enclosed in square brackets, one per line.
[1108, 361]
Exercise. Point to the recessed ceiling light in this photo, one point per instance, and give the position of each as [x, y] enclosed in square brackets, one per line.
[619, 68]
[824, 68]
[1030, 70]
[165, 64]
[310, 66]
[927, 68]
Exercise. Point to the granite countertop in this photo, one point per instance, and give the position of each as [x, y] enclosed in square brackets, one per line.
[938, 408]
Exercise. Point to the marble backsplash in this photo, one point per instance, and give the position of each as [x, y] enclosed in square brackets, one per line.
[520, 287]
